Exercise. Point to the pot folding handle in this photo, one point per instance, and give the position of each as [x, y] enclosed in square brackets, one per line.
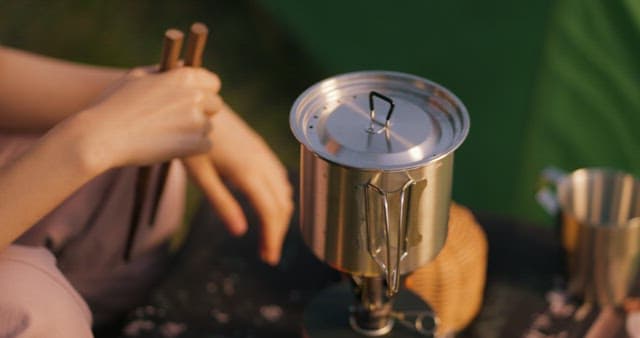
[546, 195]
[387, 241]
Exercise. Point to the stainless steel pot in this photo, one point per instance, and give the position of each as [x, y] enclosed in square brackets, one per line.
[376, 169]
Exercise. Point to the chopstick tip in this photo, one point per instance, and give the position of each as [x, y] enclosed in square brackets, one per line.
[199, 28]
[174, 34]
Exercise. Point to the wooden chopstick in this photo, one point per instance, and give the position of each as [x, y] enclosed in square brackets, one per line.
[193, 58]
[195, 44]
[171, 47]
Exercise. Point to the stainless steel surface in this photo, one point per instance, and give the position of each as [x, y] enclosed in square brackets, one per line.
[337, 228]
[334, 120]
[600, 212]
[375, 187]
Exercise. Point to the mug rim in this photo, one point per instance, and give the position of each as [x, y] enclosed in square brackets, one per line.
[583, 174]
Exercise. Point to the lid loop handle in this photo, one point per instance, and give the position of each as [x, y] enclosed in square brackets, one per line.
[372, 110]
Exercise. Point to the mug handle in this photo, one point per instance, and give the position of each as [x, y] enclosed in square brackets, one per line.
[546, 195]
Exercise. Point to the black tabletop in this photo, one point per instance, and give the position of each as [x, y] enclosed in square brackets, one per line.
[217, 286]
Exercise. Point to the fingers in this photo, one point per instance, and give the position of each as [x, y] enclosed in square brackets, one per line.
[194, 77]
[186, 79]
[274, 218]
[277, 180]
[281, 193]
[205, 96]
[242, 157]
[139, 72]
[212, 104]
[220, 198]
[191, 111]
[203, 77]
[272, 202]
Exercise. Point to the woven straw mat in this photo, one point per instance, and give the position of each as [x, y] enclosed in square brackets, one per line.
[453, 283]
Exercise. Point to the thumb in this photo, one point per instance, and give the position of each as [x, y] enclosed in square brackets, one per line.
[224, 204]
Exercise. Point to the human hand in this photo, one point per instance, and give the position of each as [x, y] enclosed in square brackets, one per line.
[148, 118]
[242, 157]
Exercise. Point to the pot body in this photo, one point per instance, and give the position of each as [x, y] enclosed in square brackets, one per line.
[367, 222]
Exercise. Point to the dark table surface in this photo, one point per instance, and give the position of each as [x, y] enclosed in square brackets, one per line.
[217, 286]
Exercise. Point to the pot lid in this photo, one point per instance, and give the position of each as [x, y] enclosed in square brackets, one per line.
[379, 120]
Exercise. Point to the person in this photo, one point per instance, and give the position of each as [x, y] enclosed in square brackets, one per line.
[71, 139]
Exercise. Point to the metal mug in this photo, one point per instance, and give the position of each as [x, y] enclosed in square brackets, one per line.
[375, 187]
[599, 213]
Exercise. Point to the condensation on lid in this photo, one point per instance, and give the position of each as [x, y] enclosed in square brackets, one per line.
[333, 120]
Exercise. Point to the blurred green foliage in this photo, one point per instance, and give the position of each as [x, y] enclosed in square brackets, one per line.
[486, 52]
[261, 67]
[268, 52]
[498, 56]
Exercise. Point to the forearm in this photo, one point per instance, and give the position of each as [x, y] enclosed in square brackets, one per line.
[43, 177]
[37, 92]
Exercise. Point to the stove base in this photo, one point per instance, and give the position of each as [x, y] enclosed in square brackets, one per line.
[328, 315]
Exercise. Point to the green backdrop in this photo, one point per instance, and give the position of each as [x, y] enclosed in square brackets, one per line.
[546, 82]
[486, 52]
